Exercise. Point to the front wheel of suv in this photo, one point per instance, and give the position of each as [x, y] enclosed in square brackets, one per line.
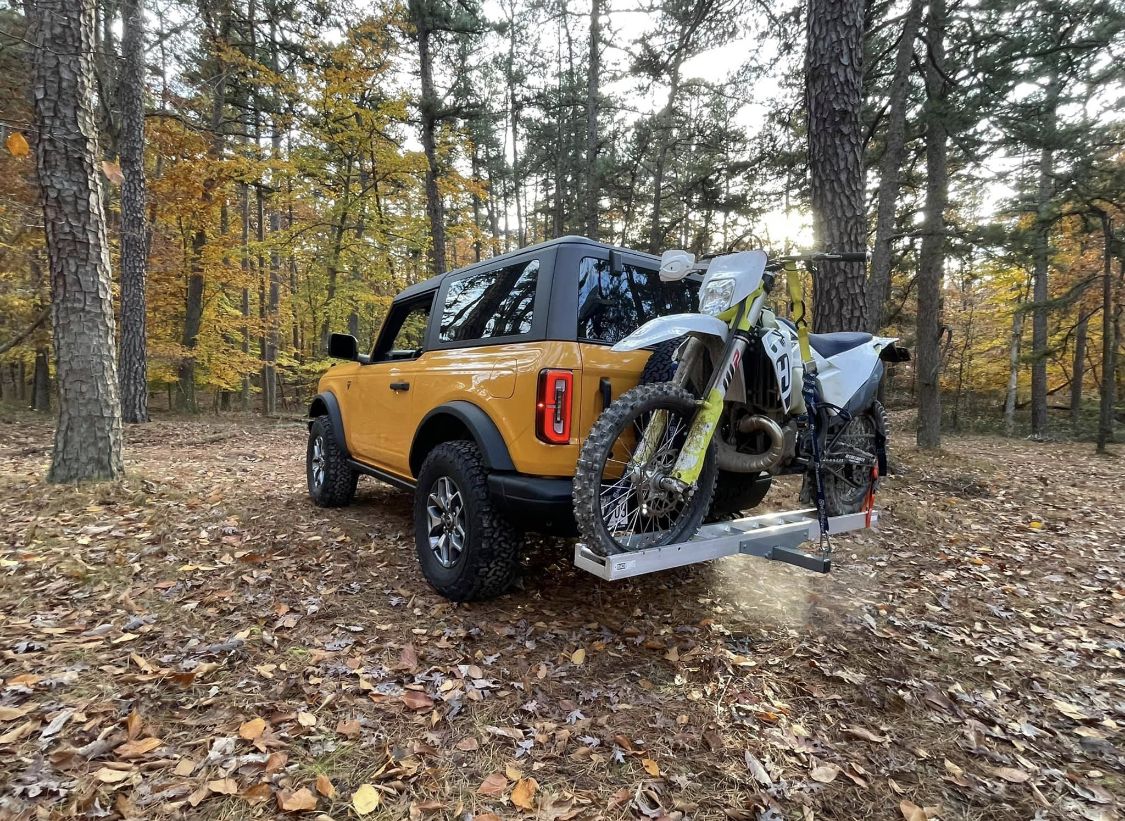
[331, 479]
[467, 549]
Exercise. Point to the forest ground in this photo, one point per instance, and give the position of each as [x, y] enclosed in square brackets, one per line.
[200, 641]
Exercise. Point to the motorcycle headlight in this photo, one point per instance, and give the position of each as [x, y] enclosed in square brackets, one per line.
[716, 296]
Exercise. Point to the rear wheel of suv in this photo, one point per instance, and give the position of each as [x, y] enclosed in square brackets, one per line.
[331, 479]
[467, 549]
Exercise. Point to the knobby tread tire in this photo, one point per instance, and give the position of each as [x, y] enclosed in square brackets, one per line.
[587, 476]
[660, 366]
[340, 480]
[832, 504]
[490, 561]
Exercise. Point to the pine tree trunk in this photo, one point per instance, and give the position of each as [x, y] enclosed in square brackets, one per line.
[429, 104]
[593, 79]
[1077, 371]
[667, 122]
[218, 31]
[1041, 292]
[890, 171]
[134, 235]
[1014, 345]
[834, 97]
[41, 383]
[88, 433]
[1109, 342]
[931, 258]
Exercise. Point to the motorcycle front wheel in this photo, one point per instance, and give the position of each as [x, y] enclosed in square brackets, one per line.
[620, 502]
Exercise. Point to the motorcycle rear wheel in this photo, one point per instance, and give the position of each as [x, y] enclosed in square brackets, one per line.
[846, 489]
[618, 504]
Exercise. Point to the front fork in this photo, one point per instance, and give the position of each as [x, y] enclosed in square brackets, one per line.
[689, 464]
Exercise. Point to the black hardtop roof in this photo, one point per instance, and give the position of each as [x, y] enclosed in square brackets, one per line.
[433, 282]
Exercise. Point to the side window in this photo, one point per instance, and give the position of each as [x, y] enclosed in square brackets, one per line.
[492, 303]
[404, 336]
[612, 306]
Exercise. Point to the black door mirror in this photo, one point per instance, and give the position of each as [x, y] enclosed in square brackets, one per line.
[343, 346]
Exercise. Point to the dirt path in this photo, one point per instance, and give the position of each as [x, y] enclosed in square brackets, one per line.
[200, 641]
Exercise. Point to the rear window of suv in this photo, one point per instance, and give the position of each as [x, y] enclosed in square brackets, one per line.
[612, 306]
[489, 304]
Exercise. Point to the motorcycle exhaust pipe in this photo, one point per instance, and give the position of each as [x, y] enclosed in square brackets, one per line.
[730, 458]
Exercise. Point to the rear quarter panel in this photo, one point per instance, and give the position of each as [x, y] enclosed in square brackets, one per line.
[503, 381]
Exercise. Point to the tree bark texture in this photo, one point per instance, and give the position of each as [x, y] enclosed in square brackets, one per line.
[833, 98]
[890, 171]
[931, 257]
[429, 111]
[134, 237]
[88, 434]
[1108, 395]
[1077, 371]
[41, 382]
[1041, 292]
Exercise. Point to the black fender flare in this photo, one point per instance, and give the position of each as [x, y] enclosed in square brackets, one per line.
[461, 414]
[326, 404]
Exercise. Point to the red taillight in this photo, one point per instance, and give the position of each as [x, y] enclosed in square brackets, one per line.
[552, 407]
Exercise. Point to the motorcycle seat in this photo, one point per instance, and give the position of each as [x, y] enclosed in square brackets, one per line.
[828, 345]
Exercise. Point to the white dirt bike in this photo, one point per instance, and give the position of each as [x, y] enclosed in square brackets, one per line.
[752, 393]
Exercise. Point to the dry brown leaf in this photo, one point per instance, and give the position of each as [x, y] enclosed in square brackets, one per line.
[223, 786]
[651, 767]
[865, 734]
[911, 811]
[298, 801]
[366, 799]
[17, 145]
[523, 796]
[257, 794]
[415, 700]
[276, 761]
[408, 659]
[19, 732]
[825, 773]
[467, 744]
[306, 719]
[184, 767]
[324, 786]
[1011, 774]
[495, 784]
[578, 656]
[487, 816]
[136, 749]
[133, 725]
[12, 713]
[108, 775]
[252, 730]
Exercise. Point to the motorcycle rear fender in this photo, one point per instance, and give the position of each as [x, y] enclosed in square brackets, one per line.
[664, 328]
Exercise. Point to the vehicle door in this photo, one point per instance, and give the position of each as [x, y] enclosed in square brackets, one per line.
[384, 389]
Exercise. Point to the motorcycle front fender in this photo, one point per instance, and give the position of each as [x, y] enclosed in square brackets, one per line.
[664, 328]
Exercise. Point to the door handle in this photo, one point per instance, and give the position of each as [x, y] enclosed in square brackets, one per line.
[400, 386]
[606, 388]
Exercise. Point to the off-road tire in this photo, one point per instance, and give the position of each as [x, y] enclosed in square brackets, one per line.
[660, 366]
[734, 492]
[588, 474]
[489, 561]
[338, 486]
[839, 499]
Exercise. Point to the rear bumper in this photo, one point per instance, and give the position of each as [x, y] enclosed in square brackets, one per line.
[536, 503]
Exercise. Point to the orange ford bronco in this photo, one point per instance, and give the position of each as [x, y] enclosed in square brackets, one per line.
[478, 393]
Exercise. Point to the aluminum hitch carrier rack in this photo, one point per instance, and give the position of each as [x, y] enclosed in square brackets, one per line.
[773, 536]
